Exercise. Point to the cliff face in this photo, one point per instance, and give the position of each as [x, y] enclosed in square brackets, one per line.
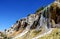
[55, 12]
[36, 24]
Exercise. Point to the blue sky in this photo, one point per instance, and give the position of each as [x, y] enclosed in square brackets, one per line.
[12, 10]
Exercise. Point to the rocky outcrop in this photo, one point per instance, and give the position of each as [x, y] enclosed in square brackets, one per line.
[44, 18]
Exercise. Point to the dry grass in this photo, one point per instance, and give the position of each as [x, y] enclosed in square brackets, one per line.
[55, 34]
[31, 34]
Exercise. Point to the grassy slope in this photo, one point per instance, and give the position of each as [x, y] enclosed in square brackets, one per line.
[55, 34]
[32, 33]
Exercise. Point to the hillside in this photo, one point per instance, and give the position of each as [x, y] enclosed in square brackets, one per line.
[43, 24]
[55, 34]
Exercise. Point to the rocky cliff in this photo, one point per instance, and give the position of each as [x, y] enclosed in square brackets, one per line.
[36, 25]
